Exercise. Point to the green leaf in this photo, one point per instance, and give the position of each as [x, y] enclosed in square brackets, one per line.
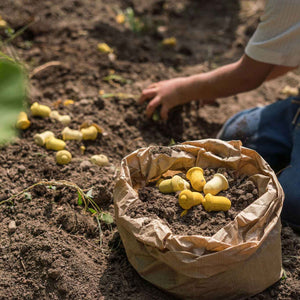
[51, 187]
[172, 142]
[91, 210]
[79, 201]
[106, 218]
[89, 194]
[9, 31]
[116, 78]
[135, 24]
[28, 196]
[108, 95]
[156, 116]
[4, 56]
[284, 276]
[12, 95]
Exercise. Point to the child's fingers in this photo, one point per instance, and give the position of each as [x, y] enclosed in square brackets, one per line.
[164, 112]
[152, 85]
[152, 106]
[156, 84]
[147, 94]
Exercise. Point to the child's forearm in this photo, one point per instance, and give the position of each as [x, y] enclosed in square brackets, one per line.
[241, 76]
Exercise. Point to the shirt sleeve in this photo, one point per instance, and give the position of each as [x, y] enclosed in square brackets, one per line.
[277, 37]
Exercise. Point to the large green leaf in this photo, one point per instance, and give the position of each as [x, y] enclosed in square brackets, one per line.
[12, 95]
[106, 218]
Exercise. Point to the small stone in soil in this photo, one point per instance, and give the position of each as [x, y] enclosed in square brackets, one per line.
[12, 227]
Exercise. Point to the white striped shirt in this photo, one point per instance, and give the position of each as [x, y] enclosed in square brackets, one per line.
[277, 37]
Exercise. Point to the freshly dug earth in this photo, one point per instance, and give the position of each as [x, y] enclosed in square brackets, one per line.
[153, 204]
[50, 247]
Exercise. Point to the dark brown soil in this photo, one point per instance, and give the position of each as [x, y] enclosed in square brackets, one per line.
[56, 250]
[241, 192]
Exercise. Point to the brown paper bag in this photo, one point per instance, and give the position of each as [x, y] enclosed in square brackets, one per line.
[244, 256]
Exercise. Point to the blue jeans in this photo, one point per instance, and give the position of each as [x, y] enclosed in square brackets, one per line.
[274, 132]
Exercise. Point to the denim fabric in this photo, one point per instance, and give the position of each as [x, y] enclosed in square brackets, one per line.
[274, 132]
[242, 126]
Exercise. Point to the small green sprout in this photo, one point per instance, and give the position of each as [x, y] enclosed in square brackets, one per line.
[51, 187]
[79, 199]
[92, 211]
[284, 276]
[116, 78]
[106, 218]
[172, 142]
[28, 196]
[156, 116]
[134, 23]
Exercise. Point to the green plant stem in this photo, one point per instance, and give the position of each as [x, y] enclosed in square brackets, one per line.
[86, 199]
[3, 55]
[18, 33]
[53, 182]
[100, 232]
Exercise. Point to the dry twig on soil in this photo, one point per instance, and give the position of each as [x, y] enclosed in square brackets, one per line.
[43, 67]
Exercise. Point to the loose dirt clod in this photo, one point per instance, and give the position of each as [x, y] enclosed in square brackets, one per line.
[12, 227]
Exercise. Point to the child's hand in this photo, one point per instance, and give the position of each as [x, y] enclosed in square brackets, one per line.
[168, 94]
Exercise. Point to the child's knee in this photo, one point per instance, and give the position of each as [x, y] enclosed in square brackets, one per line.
[242, 126]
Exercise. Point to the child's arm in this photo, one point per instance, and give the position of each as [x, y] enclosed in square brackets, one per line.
[278, 71]
[241, 76]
